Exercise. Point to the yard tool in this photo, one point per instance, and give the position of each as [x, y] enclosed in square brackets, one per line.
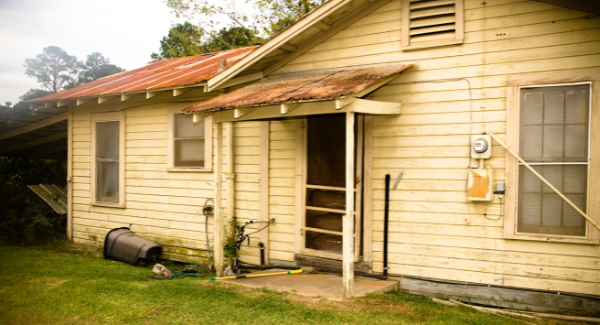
[257, 275]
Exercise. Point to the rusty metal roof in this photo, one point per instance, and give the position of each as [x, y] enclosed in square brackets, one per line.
[167, 73]
[313, 86]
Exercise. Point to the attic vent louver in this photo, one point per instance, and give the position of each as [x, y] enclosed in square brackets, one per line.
[195, 62]
[428, 23]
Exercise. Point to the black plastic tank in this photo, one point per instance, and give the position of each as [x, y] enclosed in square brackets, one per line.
[124, 245]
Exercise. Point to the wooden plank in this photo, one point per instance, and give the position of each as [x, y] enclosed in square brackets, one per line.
[70, 173]
[35, 125]
[497, 296]
[264, 187]
[219, 213]
[368, 189]
[300, 172]
[348, 219]
[329, 264]
[36, 142]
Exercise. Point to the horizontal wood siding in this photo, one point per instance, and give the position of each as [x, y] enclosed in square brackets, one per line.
[162, 206]
[434, 231]
[246, 158]
[282, 200]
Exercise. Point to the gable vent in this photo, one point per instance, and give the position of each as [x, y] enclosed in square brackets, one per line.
[432, 22]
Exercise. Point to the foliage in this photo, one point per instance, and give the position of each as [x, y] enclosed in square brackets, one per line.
[231, 37]
[231, 251]
[96, 66]
[187, 39]
[182, 40]
[225, 25]
[280, 14]
[53, 68]
[54, 284]
[9, 111]
[34, 214]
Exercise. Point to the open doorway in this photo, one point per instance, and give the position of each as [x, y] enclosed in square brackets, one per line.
[324, 186]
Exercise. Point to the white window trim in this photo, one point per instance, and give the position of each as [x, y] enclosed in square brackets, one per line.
[514, 84]
[112, 116]
[208, 144]
[459, 29]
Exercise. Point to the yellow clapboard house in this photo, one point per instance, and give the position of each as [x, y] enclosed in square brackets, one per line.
[304, 128]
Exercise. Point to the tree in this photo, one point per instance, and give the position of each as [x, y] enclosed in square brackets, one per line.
[187, 39]
[231, 37]
[223, 25]
[183, 40]
[280, 14]
[53, 68]
[9, 111]
[96, 66]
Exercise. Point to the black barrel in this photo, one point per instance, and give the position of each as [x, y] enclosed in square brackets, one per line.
[124, 245]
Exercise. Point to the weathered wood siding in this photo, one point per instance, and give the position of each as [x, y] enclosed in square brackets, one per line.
[246, 144]
[162, 206]
[282, 200]
[434, 232]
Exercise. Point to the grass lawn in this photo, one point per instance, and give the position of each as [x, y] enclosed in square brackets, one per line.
[62, 283]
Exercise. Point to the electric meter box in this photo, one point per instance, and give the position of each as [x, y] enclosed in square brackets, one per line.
[481, 146]
[480, 184]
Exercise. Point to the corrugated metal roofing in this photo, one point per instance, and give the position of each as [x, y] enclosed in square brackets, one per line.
[154, 76]
[318, 85]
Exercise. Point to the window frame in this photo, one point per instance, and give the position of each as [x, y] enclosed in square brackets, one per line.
[106, 117]
[563, 78]
[208, 144]
[459, 28]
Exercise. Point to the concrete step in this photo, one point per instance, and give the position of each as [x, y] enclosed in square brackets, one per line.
[315, 285]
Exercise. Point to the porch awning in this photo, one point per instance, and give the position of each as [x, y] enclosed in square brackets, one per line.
[285, 94]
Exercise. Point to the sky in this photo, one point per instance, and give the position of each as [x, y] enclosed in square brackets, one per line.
[124, 31]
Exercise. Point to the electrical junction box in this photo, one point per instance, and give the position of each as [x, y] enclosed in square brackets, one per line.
[481, 146]
[480, 184]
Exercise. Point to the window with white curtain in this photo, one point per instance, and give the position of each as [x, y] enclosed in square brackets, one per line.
[189, 142]
[108, 159]
[554, 139]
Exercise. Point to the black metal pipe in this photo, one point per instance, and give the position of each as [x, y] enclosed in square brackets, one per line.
[262, 255]
[386, 217]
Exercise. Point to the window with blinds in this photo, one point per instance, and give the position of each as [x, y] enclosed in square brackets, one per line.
[107, 161]
[188, 142]
[554, 139]
[427, 23]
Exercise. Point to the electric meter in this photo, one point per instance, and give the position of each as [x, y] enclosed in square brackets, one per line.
[481, 146]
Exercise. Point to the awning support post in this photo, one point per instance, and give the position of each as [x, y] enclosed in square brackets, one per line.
[348, 221]
[230, 179]
[219, 215]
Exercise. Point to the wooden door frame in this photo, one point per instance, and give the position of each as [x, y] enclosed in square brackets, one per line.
[300, 185]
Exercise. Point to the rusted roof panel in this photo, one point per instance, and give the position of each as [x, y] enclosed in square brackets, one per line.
[184, 71]
[319, 85]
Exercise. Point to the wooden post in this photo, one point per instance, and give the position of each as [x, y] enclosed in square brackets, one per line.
[264, 188]
[218, 229]
[230, 179]
[348, 222]
[70, 173]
